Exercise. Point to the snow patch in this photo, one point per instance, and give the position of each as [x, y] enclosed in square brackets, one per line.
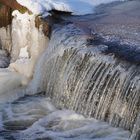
[77, 7]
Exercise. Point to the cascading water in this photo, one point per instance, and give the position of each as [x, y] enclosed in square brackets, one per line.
[34, 117]
[73, 73]
[79, 76]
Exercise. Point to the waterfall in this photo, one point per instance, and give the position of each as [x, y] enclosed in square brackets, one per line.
[24, 43]
[5, 38]
[70, 87]
[80, 76]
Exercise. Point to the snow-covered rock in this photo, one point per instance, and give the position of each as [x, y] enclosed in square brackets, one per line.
[76, 7]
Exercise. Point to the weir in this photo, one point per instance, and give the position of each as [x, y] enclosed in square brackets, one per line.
[80, 76]
[92, 70]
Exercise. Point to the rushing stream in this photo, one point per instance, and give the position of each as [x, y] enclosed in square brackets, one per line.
[71, 87]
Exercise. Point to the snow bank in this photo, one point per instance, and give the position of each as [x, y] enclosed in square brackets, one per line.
[77, 7]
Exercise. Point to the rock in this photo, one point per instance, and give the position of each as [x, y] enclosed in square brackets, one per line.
[13, 4]
[5, 16]
[6, 8]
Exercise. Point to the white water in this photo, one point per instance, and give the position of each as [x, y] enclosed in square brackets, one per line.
[35, 118]
[28, 43]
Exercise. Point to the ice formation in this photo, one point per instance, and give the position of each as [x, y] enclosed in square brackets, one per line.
[5, 38]
[35, 117]
[28, 43]
[26, 50]
[75, 75]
